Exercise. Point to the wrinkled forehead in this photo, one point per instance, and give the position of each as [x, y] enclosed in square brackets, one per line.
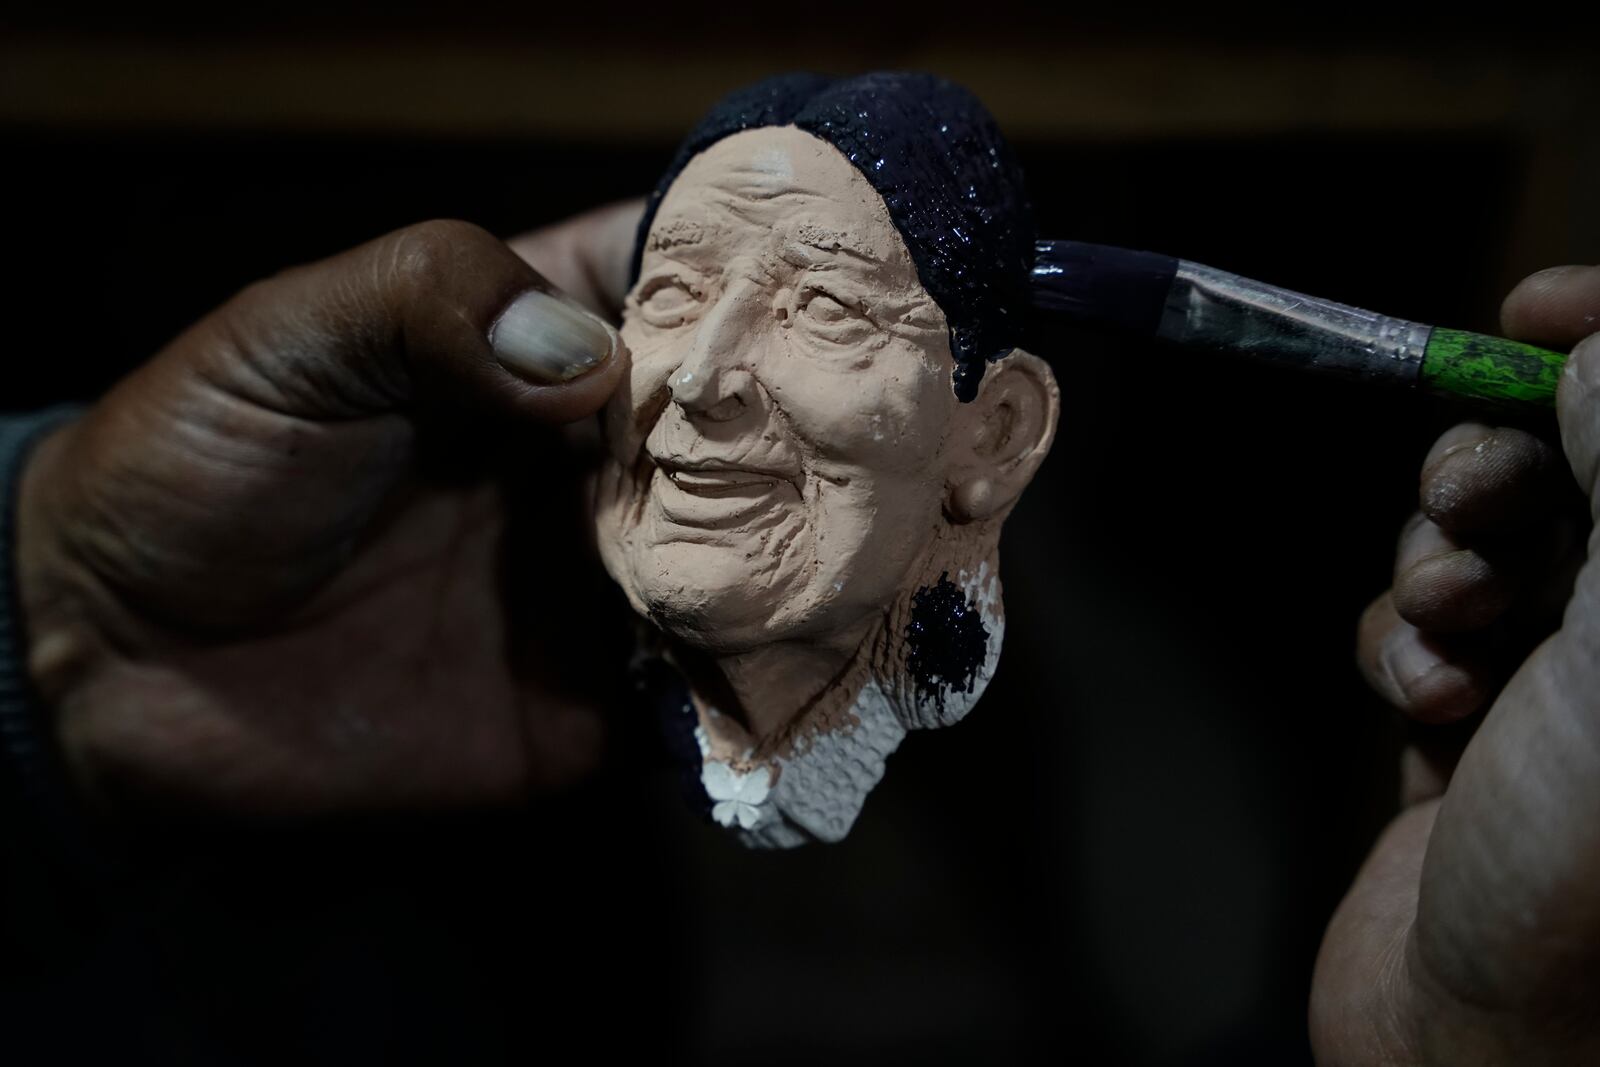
[779, 182]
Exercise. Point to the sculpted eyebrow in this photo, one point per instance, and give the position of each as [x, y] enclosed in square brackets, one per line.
[676, 233]
[825, 240]
[760, 184]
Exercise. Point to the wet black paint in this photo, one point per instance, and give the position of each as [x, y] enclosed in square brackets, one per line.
[1100, 284]
[953, 189]
[946, 640]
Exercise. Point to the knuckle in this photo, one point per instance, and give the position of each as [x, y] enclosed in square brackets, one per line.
[428, 252]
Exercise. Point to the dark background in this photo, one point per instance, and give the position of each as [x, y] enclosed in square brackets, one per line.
[1128, 853]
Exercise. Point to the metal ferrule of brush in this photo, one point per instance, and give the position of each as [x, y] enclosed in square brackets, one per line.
[1211, 308]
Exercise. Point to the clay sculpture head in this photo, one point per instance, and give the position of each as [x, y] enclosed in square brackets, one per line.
[826, 422]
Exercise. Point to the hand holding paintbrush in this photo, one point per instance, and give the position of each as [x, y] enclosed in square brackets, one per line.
[1472, 933]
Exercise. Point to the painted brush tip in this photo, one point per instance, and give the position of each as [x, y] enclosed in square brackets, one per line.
[1101, 285]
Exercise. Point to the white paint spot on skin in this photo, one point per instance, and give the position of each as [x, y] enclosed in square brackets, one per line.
[775, 162]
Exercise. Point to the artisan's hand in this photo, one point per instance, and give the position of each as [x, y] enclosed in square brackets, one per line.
[278, 568]
[1472, 934]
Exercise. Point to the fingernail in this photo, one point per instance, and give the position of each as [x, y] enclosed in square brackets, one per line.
[1408, 661]
[545, 339]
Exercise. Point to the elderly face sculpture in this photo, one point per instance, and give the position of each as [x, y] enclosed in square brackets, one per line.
[794, 496]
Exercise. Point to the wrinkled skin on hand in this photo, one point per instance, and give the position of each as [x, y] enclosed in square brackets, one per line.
[1472, 933]
[324, 551]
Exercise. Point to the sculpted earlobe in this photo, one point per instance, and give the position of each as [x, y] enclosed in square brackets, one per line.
[972, 500]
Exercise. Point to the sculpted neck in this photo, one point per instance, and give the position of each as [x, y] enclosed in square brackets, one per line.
[760, 694]
[765, 696]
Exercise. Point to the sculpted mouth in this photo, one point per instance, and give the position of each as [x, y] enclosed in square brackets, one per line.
[708, 493]
[712, 477]
[716, 483]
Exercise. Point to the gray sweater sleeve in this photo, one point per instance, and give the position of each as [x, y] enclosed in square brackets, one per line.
[39, 796]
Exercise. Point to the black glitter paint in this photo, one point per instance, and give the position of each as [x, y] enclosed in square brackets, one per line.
[953, 189]
[946, 640]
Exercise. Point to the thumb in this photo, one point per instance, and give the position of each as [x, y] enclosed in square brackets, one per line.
[441, 313]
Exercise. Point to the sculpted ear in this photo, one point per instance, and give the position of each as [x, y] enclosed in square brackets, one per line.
[1001, 437]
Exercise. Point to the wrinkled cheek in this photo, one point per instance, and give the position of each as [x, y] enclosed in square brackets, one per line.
[867, 535]
[888, 415]
[632, 409]
[844, 534]
[881, 428]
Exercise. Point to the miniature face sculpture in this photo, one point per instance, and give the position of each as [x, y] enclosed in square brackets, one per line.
[795, 497]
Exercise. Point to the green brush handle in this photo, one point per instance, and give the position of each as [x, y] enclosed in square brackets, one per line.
[1457, 363]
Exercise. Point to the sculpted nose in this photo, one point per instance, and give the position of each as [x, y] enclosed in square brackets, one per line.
[707, 391]
[710, 383]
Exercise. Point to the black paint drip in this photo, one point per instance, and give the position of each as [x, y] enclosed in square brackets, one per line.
[952, 186]
[947, 640]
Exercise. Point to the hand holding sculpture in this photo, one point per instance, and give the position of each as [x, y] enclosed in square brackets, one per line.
[796, 496]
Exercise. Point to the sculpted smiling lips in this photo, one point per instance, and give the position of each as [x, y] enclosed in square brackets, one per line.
[798, 495]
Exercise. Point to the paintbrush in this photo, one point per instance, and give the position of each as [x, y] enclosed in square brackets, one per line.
[1200, 307]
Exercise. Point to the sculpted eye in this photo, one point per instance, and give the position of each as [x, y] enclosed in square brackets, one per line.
[825, 308]
[669, 300]
[834, 319]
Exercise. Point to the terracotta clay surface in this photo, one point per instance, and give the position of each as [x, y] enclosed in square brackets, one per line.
[789, 468]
